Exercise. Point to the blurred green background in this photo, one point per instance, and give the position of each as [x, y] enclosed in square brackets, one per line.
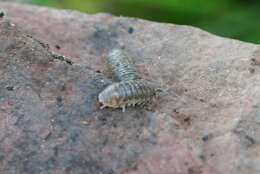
[238, 19]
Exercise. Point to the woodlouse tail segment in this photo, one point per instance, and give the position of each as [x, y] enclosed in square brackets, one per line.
[122, 65]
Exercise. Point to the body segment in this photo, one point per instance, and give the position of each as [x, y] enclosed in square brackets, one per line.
[122, 65]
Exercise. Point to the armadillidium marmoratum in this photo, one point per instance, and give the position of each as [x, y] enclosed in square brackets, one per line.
[131, 89]
[122, 65]
[127, 93]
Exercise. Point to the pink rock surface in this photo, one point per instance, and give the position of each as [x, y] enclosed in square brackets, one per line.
[206, 122]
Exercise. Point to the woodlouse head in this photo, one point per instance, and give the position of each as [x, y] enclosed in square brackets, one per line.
[110, 97]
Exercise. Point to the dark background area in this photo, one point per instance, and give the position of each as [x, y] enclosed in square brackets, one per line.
[238, 19]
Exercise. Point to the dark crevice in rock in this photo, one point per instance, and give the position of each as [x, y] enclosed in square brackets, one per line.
[62, 58]
[2, 14]
[207, 137]
[130, 30]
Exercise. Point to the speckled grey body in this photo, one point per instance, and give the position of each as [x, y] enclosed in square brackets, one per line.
[127, 93]
[122, 65]
[131, 89]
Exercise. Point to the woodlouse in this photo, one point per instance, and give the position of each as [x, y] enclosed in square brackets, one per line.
[131, 89]
[127, 93]
[122, 65]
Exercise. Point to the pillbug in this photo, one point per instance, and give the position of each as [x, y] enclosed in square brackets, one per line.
[122, 65]
[127, 93]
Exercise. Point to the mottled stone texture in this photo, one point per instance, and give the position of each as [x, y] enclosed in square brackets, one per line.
[207, 120]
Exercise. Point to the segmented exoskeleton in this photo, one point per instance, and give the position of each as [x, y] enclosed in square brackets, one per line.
[122, 65]
[127, 93]
[131, 89]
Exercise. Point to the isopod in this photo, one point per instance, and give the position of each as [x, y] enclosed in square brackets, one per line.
[127, 93]
[122, 65]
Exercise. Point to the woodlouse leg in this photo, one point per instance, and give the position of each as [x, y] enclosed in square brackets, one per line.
[102, 107]
[123, 108]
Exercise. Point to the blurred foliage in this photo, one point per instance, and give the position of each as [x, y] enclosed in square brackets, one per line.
[236, 19]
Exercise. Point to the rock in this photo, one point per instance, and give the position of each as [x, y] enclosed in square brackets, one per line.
[206, 122]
